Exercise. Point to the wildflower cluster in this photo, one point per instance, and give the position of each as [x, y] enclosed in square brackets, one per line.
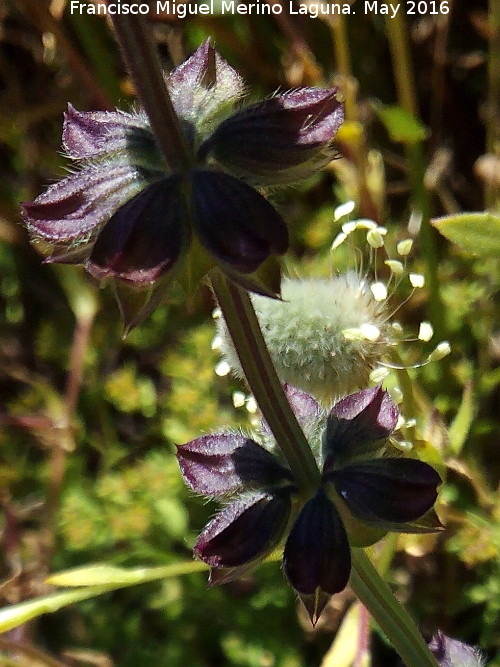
[127, 216]
[361, 494]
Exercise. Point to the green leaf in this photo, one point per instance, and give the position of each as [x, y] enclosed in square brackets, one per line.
[401, 125]
[94, 580]
[102, 574]
[17, 614]
[460, 427]
[476, 233]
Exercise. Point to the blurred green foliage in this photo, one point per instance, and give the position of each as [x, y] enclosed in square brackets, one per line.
[89, 422]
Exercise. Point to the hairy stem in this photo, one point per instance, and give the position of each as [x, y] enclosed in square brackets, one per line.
[144, 66]
[264, 383]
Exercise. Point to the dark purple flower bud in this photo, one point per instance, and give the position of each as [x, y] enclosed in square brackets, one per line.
[143, 239]
[387, 491]
[356, 424]
[234, 222]
[217, 464]
[75, 207]
[96, 134]
[452, 653]
[281, 140]
[317, 559]
[247, 529]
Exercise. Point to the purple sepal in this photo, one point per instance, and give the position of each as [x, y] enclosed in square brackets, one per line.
[304, 406]
[355, 425]
[143, 239]
[73, 208]
[246, 529]
[280, 140]
[453, 653]
[204, 89]
[217, 464]
[317, 556]
[94, 134]
[387, 491]
[234, 222]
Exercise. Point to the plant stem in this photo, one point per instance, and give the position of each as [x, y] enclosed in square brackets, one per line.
[264, 383]
[144, 66]
[392, 617]
[247, 337]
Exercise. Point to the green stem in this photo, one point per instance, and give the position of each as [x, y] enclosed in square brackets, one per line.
[255, 360]
[264, 383]
[144, 66]
[392, 617]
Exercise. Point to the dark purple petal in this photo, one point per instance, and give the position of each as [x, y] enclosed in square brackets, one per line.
[391, 490]
[280, 140]
[144, 237]
[74, 207]
[356, 423]
[234, 222]
[317, 556]
[453, 653]
[245, 530]
[94, 134]
[216, 464]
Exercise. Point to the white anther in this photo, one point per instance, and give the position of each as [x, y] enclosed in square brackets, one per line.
[348, 227]
[379, 291]
[370, 332]
[338, 240]
[375, 238]
[404, 247]
[238, 399]
[343, 209]
[425, 331]
[252, 406]
[416, 279]
[442, 350]
[365, 223]
[395, 266]
[216, 343]
[379, 374]
[222, 369]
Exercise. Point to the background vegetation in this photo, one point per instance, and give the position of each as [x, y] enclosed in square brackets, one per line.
[89, 421]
